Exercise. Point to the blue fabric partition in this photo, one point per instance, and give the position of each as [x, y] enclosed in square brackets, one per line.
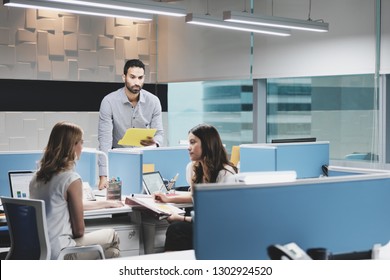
[86, 166]
[169, 161]
[257, 158]
[29, 160]
[16, 161]
[343, 214]
[126, 165]
[305, 158]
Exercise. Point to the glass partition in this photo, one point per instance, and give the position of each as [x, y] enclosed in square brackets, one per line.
[339, 109]
[227, 105]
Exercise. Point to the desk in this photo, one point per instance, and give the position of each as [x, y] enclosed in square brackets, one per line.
[107, 211]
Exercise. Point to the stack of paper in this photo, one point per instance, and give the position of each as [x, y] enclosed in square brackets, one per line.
[162, 210]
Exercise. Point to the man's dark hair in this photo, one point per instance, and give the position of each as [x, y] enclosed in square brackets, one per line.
[133, 63]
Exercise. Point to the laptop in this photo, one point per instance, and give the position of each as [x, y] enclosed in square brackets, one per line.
[153, 182]
[19, 182]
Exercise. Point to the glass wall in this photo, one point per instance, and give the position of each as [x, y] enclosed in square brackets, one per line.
[339, 109]
[227, 105]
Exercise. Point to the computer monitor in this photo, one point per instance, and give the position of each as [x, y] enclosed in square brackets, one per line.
[153, 182]
[19, 181]
[294, 140]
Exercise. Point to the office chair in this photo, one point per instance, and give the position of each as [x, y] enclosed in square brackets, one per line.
[26, 219]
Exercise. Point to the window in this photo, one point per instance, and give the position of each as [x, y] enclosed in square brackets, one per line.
[338, 109]
[227, 105]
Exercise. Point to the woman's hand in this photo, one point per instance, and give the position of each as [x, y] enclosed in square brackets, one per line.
[113, 203]
[103, 183]
[161, 197]
[175, 217]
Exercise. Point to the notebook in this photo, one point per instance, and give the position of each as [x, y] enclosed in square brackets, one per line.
[153, 182]
[19, 182]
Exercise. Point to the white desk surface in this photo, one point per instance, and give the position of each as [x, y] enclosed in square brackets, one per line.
[177, 255]
[108, 211]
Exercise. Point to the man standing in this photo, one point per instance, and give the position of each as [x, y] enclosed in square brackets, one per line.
[128, 107]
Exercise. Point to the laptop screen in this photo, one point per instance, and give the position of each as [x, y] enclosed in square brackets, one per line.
[19, 182]
[153, 182]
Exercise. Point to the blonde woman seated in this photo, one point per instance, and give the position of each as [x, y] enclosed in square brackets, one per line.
[209, 164]
[60, 186]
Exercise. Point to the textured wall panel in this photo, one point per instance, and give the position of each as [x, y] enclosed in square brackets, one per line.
[106, 57]
[47, 24]
[43, 43]
[39, 44]
[24, 35]
[119, 48]
[124, 31]
[25, 69]
[26, 52]
[7, 55]
[31, 19]
[73, 69]
[109, 28]
[59, 70]
[105, 42]
[86, 42]
[4, 36]
[106, 74]
[70, 24]
[70, 42]
[88, 60]
[44, 64]
[143, 31]
[131, 48]
[56, 44]
[143, 47]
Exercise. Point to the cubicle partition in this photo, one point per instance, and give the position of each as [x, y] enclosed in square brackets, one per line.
[29, 160]
[305, 158]
[127, 164]
[343, 214]
[16, 161]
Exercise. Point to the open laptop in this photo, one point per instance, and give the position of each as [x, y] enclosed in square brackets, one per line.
[153, 182]
[19, 182]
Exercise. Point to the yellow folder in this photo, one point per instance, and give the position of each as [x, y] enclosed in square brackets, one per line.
[133, 136]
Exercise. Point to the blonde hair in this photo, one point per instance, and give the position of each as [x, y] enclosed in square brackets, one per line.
[59, 154]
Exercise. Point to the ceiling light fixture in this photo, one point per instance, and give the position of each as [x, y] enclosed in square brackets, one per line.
[146, 6]
[57, 6]
[207, 20]
[278, 22]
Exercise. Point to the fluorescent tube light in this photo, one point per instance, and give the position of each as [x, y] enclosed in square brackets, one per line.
[51, 5]
[279, 22]
[214, 22]
[146, 6]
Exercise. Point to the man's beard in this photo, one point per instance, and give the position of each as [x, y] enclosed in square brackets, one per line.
[134, 89]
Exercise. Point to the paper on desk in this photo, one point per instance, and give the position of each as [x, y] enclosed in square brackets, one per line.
[133, 136]
[148, 201]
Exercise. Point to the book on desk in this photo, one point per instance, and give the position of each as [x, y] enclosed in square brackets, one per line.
[147, 202]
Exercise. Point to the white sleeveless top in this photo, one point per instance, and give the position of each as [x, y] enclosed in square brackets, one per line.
[57, 212]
